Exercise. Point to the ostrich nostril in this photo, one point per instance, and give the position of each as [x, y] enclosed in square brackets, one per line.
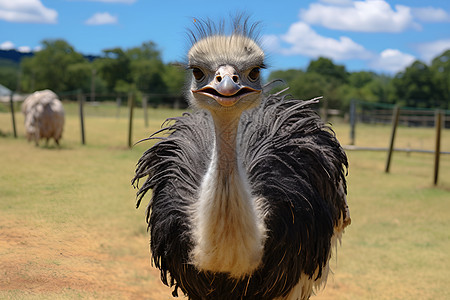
[219, 78]
[235, 78]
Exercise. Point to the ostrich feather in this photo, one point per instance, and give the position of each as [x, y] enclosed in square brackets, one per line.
[290, 156]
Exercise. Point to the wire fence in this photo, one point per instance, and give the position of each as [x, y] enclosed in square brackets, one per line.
[379, 113]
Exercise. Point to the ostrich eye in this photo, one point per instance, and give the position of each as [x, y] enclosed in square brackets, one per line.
[198, 74]
[254, 74]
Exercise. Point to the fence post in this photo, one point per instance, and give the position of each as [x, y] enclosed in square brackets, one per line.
[144, 107]
[81, 110]
[437, 152]
[130, 117]
[94, 72]
[119, 104]
[352, 121]
[395, 117]
[13, 118]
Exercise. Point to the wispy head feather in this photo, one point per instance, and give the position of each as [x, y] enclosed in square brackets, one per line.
[215, 44]
[240, 25]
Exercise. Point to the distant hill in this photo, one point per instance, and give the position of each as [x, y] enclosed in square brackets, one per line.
[14, 55]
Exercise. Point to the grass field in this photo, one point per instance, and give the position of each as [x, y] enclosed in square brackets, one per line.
[69, 228]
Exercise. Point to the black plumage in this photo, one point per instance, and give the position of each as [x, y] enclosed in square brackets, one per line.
[291, 158]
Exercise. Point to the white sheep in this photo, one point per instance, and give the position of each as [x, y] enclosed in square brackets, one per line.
[44, 116]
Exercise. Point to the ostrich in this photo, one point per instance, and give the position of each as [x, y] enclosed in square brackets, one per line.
[248, 190]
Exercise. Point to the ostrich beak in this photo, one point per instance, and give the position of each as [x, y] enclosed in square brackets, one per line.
[226, 89]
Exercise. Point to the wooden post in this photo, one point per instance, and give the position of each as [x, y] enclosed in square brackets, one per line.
[119, 104]
[94, 72]
[352, 121]
[13, 118]
[395, 117]
[144, 107]
[437, 152]
[81, 110]
[130, 118]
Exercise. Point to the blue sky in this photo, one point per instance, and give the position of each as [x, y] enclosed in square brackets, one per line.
[378, 35]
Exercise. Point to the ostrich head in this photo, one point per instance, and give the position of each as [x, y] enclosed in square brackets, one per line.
[225, 69]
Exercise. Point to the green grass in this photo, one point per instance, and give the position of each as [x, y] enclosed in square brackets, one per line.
[69, 229]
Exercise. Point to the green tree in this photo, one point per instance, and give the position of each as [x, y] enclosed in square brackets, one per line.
[79, 76]
[440, 67]
[415, 87]
[308, 85]
[114, 67]
[328, 69]
[285, 75]
[48, 68]
[8, 78]
[333, 76]
[360, 79]
[365, 86]
[147, 68]
[174, 77]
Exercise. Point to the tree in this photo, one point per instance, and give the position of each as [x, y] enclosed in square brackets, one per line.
[147, 68]
[114, 67]
[48, 68]
[334, 76]
[174, 77]
[9, 77]
[415, 87]
[147, 51]
[440, 67]
[360, 79]
[328, 69]
[308, 85]
[366, 86]
[287, 75]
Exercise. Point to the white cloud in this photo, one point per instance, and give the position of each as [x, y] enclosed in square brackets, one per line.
[362, 16]
[430, 50]
[8, 45]
[431, 14]
[392, 61]
[101, 19]
[24, 49]
[26, 11]
[303, 40]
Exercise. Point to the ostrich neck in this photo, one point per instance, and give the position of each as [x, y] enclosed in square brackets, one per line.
[225, 129]
[229, 229]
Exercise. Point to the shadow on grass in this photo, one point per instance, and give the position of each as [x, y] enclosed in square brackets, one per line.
[54, 146]
[3, 134]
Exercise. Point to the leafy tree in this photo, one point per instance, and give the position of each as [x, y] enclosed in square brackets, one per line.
[9, 77]
[147, 51]
[328, 69]
[48, 68]
[174, 78]
[79, 76]
[440, 67]
[308, 85]
[366, 86]
[360, 79]
[147, 70]
[287, 75]
[415, 87]
[113, 67]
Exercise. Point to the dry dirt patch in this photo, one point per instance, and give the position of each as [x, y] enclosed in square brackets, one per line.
[42, 261]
